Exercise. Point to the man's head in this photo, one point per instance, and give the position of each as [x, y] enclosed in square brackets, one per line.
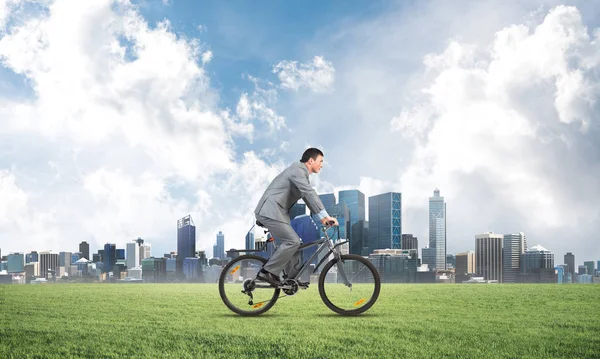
[313, 159]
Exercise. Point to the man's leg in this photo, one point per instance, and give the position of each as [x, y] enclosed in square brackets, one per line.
[287, 254]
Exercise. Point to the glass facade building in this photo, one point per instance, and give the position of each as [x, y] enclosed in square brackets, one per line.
[514, 246]
[570, 261]
[437, 228]
[84, 249]
[15, 263]
[409, 242]
[537, 266]
[32, 257]
[249, 241]
[186, 241]
[192, 269]
[109, 257]
[219, 247]
[385, 221]
[298, 209]
[355, 201]
[308, 231]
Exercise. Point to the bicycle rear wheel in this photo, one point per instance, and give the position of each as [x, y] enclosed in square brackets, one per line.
[240, 292]
[363, 289]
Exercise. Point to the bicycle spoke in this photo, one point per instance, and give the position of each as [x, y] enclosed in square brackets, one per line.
[240, 292]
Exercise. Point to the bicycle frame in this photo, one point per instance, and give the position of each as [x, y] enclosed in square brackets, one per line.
[323, 243]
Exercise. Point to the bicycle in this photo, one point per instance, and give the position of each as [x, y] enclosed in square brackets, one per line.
[348, 284]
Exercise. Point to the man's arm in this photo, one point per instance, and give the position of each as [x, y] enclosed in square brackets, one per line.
[312, 200]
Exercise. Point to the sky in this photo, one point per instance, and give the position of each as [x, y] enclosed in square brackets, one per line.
[119, 117]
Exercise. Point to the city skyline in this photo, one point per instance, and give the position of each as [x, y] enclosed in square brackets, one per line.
[206, 102]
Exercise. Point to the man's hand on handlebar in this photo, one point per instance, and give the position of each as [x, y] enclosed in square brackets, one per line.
[330, 221]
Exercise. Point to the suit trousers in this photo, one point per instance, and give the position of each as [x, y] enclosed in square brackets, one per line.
[287, 255]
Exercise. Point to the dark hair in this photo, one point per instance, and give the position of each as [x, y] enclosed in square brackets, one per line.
[311, 153]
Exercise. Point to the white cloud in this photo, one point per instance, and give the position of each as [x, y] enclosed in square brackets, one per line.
[317, 75]
[494, 128]
[121, 134]
[206, 57]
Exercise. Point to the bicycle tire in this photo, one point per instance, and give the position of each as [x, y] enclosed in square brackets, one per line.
[227, 302]
[370, 302]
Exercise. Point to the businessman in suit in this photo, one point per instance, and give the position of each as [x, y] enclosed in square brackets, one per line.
[273, 208]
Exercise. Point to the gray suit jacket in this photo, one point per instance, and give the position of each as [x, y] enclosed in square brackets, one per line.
[285, 190]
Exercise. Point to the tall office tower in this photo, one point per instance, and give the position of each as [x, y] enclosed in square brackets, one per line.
[64, 261]
[514, 245]
[186, 241]
[219, 247]
[465, 266]
[450, 261]
[570, 261]
[308, 231]
[48, 264]
[385, 221]
[340, 212]
[328, 200]
[537, 266]
[355, 201]
[437, 228]
[582, 270]
[298, 209]
[428, 257]
[133, 255]
[84, 248]
[145, 249]
[249, 241]
[488, 256]
[32, 257]
[409, 242]
[109, 258]
[15, 263]
[590, 267]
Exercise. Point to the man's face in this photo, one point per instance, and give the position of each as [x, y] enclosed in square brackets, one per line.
[316, 165]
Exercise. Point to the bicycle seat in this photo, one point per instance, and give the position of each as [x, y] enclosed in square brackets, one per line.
[269, 239]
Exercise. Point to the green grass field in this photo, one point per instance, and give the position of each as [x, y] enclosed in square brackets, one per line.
[408, 321]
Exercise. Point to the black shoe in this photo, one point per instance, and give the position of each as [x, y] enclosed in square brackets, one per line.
[269, 277]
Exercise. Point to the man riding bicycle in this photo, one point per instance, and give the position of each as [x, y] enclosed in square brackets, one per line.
[273, 208]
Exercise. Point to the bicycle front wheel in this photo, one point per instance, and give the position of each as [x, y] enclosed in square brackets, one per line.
[240, 292]
[350, 286]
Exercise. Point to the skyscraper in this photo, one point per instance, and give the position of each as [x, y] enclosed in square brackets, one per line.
[409, 242]
[341, 212]
[355, 201]
[514, 245]
[109, 258]
[437, 228]
[15, 263]
[537, 266]
[328, 200]
[590, 267]
[298, 209]
[133, 255]
[465, 266]
[84, 249]
[385, 221]
[308, 231]
[570, 262]
[48, 264]
[219, 247]
[186, 241]
[250, 241]
[488, 256]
